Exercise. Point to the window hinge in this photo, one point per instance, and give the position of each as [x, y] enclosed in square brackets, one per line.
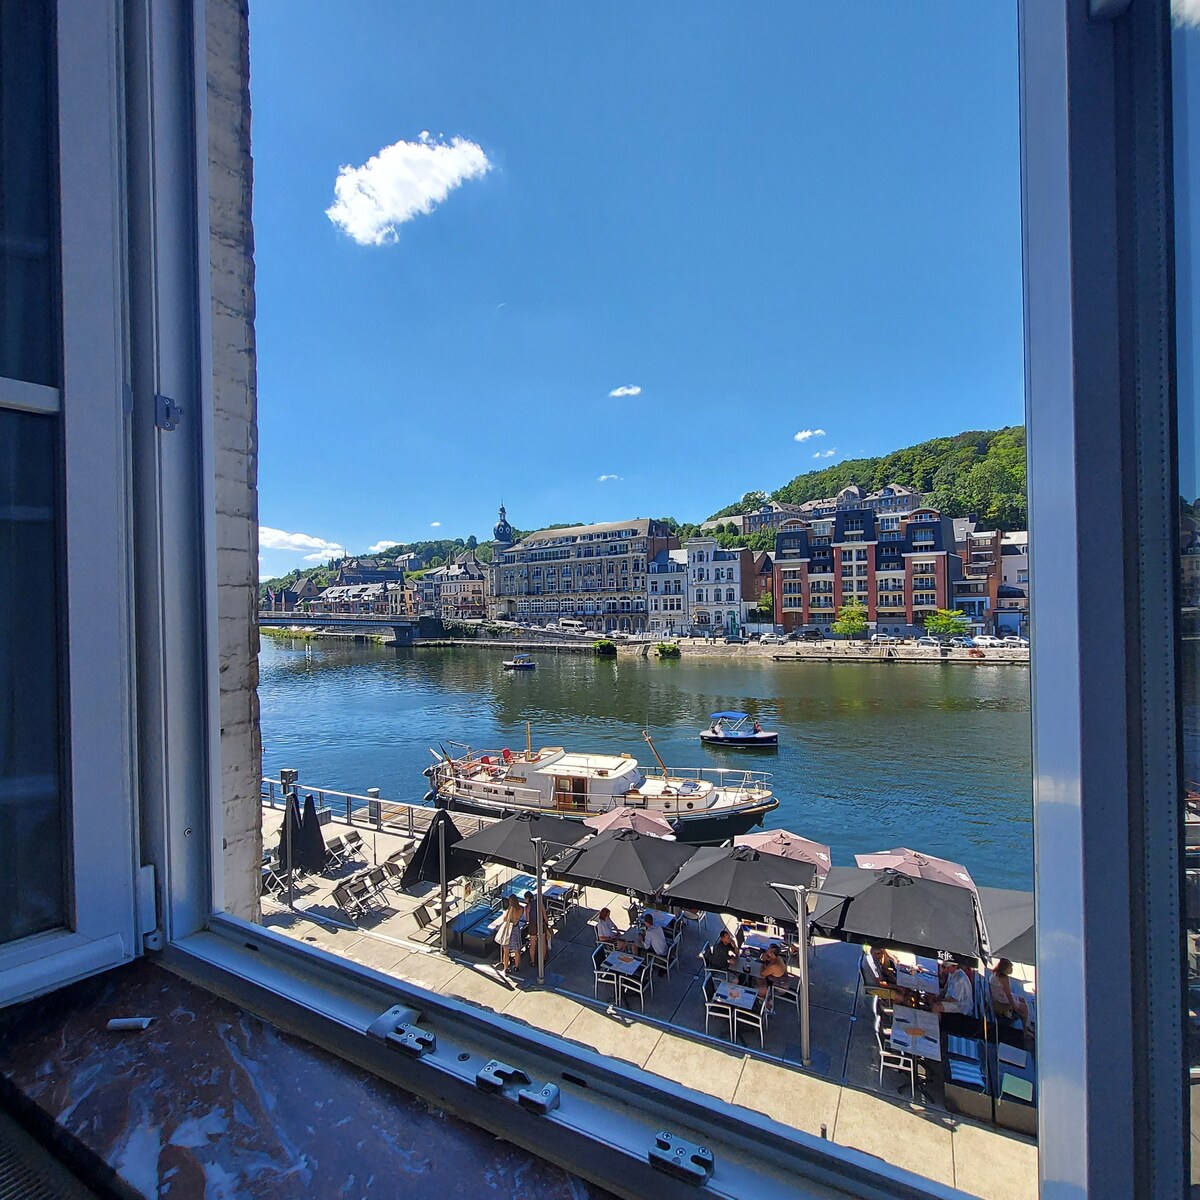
[147, 909]
[167, 414]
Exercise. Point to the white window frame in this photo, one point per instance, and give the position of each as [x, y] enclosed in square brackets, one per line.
[103, 927]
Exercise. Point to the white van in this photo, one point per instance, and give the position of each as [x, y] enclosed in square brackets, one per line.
[570, 625]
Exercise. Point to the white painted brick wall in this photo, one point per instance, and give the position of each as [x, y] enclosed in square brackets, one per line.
[231, 248]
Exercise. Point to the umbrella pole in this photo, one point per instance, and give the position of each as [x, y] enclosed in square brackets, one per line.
[291, 861]
[805, 1016]
[541, 912]
[442, 874]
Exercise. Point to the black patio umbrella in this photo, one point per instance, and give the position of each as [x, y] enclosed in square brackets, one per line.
[626, 860]
[920, 915]
[738, 881]
[311, 853]
[425, 866]
[291, 833]
[1008, 920]
[511, 841]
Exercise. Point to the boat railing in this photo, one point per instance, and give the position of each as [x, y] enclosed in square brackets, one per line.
[730, 779]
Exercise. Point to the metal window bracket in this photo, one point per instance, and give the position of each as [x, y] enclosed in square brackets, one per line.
[167, 414]
[682, 1160]
[398, 1028]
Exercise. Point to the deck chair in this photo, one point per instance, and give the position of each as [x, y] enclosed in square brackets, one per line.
[894, 1060]
[336, 849]
[354, 845]
[713, 1008]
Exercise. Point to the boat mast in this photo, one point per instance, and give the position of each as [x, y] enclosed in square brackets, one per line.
[655, 753]
[528, 742]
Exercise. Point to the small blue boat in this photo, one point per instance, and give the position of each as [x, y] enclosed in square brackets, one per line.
[740, 730]
[519, 662]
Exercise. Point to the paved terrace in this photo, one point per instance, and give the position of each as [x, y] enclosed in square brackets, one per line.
[841, 1093]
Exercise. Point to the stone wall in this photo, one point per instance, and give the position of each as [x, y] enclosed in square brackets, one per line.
[235, 440]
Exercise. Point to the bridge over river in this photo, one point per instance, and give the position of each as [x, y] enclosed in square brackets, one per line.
[405, 630]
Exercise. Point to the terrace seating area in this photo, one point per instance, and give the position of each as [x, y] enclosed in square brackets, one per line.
[675, 1016]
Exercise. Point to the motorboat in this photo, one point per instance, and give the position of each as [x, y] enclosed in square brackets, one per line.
[740, 730]
[520, 662]
[702, 804]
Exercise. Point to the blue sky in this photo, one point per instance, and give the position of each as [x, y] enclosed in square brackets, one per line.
[769, 219]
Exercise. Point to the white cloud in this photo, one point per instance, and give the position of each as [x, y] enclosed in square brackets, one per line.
[333, 550]
[383, 545]
[606, 478]
[630, 389]
[1186, 12]
[435, 524]
[404, 180]
[278, 539]
[805, 434]
[826, 453]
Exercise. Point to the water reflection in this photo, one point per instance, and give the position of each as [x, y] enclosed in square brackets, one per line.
[871, 754]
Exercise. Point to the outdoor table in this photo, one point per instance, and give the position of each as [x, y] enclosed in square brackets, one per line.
[756, 940]
[662, 919]
[918, 975]
[624, 964]
[918, 1032]
[749, 966]
[736, 995]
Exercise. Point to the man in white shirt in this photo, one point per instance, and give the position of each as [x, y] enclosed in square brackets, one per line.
[653, 937]
[957, 1002]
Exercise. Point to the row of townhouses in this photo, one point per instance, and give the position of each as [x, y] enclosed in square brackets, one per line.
[888, 550]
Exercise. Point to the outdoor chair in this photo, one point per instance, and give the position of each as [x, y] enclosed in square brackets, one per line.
[395, 872]
[349, 900]
[641, 981]
[376, 881]
[667, 961]
[711, 972]
[690, 916]
[355, 846]
[336, 849]
[894, 1060]
[360, 893]
[756, 1018]
[271, 881]
[602, 941]
[786, 993]
[602, 974]
[714, 1008]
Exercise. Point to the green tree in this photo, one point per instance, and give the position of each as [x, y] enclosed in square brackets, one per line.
[946, 622]
[766, 607]
[851, 620]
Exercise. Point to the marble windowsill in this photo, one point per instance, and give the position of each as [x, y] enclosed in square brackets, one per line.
[213, 1102]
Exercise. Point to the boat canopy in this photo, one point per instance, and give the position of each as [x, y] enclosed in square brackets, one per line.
[729, 716]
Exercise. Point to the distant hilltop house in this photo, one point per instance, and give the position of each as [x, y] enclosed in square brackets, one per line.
[350, 571]
[292, 597]
[389, 598]
[893, 500]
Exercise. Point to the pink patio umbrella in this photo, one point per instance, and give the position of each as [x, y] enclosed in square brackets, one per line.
[631, 818]
[920, 866]
[788, 845]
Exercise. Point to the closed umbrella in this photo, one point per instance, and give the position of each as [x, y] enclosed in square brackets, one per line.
[739, 881]
[894, 909]
[1008, 922]
[290, 834]
[788, 845]
[631, 818]
[626, 860]
[920, 866]
[311, 854]
[425, 866]
[511, 841]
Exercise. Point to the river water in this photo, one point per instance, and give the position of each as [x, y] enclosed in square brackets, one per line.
[872, 755]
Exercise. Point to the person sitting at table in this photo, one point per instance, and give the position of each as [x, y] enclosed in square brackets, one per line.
[1007, 1006]
[606, 928]
[722, 955]
[654, 939]
[885, 965]
[773, 969]
[956, 1006]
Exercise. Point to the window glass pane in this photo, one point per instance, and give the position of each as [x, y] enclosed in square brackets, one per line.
[32, 850]
[1186, 84]
[28, 325]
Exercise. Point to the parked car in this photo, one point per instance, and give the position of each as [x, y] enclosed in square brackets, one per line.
[773, 639]
[962, 642]
[1015, 640]
[884, 637]
[806, 635]
[986, 639]
[736, 639]
[935, 643]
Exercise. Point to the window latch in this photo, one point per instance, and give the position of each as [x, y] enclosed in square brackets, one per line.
[683, 1160]
[167, 414]
[398, 1028]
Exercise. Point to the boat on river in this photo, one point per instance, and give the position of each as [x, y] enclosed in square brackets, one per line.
[703, 804]
[519, 662]
[739, 730]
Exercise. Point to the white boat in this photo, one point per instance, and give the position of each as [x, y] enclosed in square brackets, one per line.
[703, 804]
